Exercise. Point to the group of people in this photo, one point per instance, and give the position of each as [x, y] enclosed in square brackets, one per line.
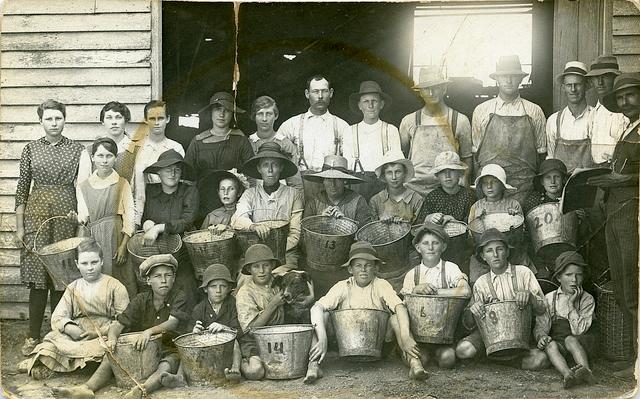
[316, 164]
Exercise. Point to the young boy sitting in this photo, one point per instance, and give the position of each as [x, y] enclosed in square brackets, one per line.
[258, 304]
[161, 310]
[491, 186]
[435, 276]
[504, 281]
[565, 326]
[396, 202]
[217, 312]
[363, 290]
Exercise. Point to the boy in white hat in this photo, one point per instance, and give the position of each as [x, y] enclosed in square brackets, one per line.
[432, 129]
[567, 134]
[363, 290]
[396, 201]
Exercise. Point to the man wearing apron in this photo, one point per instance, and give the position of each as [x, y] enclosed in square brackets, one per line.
[567, 135]
[317, 133]
[621, 201]
[509, 130]
[604, 127]
[433, 129]
[369, 140]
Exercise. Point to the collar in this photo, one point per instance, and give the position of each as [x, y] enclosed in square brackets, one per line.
[324, 117]
[500, 102]
[406, 196]
[63, 141]
[494, 276]
[153, 144]
[371, 126]
[584, 112]
[278, 136]
[438, 266]
[560, 292]
[273, 195]
[155, 190]
[97, 181]
[630, 128]
[352, 282]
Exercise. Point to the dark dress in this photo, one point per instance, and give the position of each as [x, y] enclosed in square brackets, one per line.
[52, 168]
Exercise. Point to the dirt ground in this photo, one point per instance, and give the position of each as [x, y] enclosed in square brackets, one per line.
[384, 379]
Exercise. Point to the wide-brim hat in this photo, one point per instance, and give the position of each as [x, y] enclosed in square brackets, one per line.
[508, 65]
[257, 253]
[225, 100]
[429, 76]
[362, 250]
[623, 81]
[496, 171]
[157, 260]
[212, 180]
[604, 64]
[270, 149]
[168, 158]
[488, 236]
[367, 87]
[396, 157]
[431, 228]
[547, 166]
[565, 259]
[216, 271]
[572, 68]
[447, 160]
[333, 167]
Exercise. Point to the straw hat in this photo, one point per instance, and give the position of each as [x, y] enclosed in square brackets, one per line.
[547, 166]
[334, 167]
[225, 100]
[432, 228]
[623, 81]
[270, 149]
[429, 76]
[447, 160]
[367, 87]
[496, 171]
[216, 271]
[362, 250]
[168, 158]
[565, 259]
[157, 260]
[604, 64]
[257, 253]
[572, 68]
[508, 65]
[396, 157]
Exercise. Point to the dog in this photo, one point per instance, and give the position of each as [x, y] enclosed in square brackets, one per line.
[295, 288]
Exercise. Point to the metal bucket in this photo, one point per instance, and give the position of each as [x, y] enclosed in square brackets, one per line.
[391, 241]
[206, 248]
[434, 318]
[277, 239]
[550, 230]
[505, 329]
[360, 333]
[284, 349]
[327, 240]
[511, 225]
[165, 244]
[204, 356]
[131, 366]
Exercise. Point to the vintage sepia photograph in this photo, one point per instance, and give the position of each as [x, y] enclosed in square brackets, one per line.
[429, 199]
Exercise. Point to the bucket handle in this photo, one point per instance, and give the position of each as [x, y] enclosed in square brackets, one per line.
[35, 238]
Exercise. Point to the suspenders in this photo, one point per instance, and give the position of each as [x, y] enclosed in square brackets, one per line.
[384, 134]
[443, 279]
[336, 140]
[454, 119]
[514, 282]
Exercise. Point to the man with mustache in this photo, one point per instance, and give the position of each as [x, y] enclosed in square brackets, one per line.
[317, 132]
[509, 130]
[604, 127]
[567, 135]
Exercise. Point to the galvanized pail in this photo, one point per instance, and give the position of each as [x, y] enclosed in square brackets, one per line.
[505, 329]
[433, 318]
[204, 356]
[551, 231]
[360, 333]
[511, 225]
[284, 349]
[130, 365]
[327, 239]
[391, 241]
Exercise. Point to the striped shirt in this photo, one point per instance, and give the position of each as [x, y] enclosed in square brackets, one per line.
[517, 107]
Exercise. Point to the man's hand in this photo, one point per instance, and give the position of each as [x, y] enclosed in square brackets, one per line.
[76, 333]
[425, 289]
[543, 342]
[151, 235]
[478, 310]
[143, 340]
[262, 230]
[522, 298]
[121, 254]
[319, 350]
[410, 347]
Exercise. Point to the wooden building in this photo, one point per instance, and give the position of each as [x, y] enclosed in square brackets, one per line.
[88, 52]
